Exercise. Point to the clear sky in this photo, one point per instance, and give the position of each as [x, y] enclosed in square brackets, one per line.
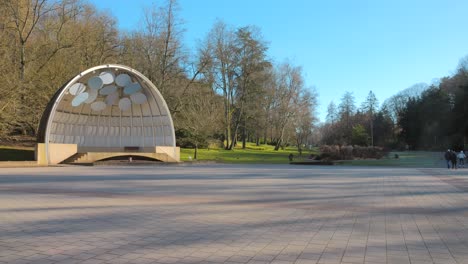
[342, 45]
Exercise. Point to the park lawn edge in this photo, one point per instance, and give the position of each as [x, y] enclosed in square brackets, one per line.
[265, 154]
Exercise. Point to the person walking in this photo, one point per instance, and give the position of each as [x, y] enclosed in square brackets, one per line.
[447, 156]
[461, 159]
[453, 159]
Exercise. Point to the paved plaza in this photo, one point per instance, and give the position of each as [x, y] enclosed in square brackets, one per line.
[217, 213]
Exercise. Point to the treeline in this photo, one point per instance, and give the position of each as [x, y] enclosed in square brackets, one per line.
[438, 118]
[227, 91]
[421, 117]
[368, 125]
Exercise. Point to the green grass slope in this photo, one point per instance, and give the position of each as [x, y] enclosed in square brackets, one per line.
[252, 154]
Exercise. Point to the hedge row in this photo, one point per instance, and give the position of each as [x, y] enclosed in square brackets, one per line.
[337, 152]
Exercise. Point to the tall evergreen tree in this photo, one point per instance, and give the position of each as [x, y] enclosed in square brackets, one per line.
[370, 107]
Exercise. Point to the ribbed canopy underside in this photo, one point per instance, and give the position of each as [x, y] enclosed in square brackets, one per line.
[108, 121]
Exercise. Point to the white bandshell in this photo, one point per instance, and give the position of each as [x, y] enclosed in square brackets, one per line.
[95, 83]
[79, 99]
[125, 104]
[132, 88]
[77, 88]
[92, 96]
[108, 90]
[123, 79]
[98, 106]
[138, 98]
[107, 77]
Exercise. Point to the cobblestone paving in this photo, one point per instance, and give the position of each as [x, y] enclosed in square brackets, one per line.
[251, 214]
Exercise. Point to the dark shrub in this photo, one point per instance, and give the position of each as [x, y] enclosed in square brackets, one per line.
[351, 152]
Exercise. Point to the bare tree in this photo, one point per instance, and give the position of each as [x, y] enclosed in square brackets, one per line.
[304, 119]
[158, 51]
[289, 85]
[39, 32]
[396, 104]
[163, 47]
[25, 16]
[201, 116]
[220, 47]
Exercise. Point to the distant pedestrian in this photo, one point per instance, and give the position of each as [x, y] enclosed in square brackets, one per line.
[291, 157]
[461, 159]
[447, 156]
[453, 159]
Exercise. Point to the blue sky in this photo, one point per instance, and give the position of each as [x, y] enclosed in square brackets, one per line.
[342, 45]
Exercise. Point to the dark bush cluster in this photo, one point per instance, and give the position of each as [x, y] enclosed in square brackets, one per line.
[336, 152]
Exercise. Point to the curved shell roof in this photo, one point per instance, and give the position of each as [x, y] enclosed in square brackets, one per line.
[108, 106]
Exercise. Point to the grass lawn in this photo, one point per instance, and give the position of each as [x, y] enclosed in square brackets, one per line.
[252, 154]
[9, 153]
[266, 154]
[424, 159]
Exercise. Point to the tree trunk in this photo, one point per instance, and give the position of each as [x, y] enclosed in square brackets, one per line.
[234, 138]
[195, 155]
[236, 129]
[228, 128]
[271, 135]
[227, 118]
[22, 61]
[244, 136]
[228, 138]
[299, 143]
[257, 138]
[278, 144]
[280, 138]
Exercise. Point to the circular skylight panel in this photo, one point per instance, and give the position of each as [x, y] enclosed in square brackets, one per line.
[112, 98]
[125, 104]
[77, 88]
[123, 79]
[95, 83]
[92, 96]
[110, 89]
[79, 99]
[138, 98]
[132, 88]
[107, 77]
[98, 106]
